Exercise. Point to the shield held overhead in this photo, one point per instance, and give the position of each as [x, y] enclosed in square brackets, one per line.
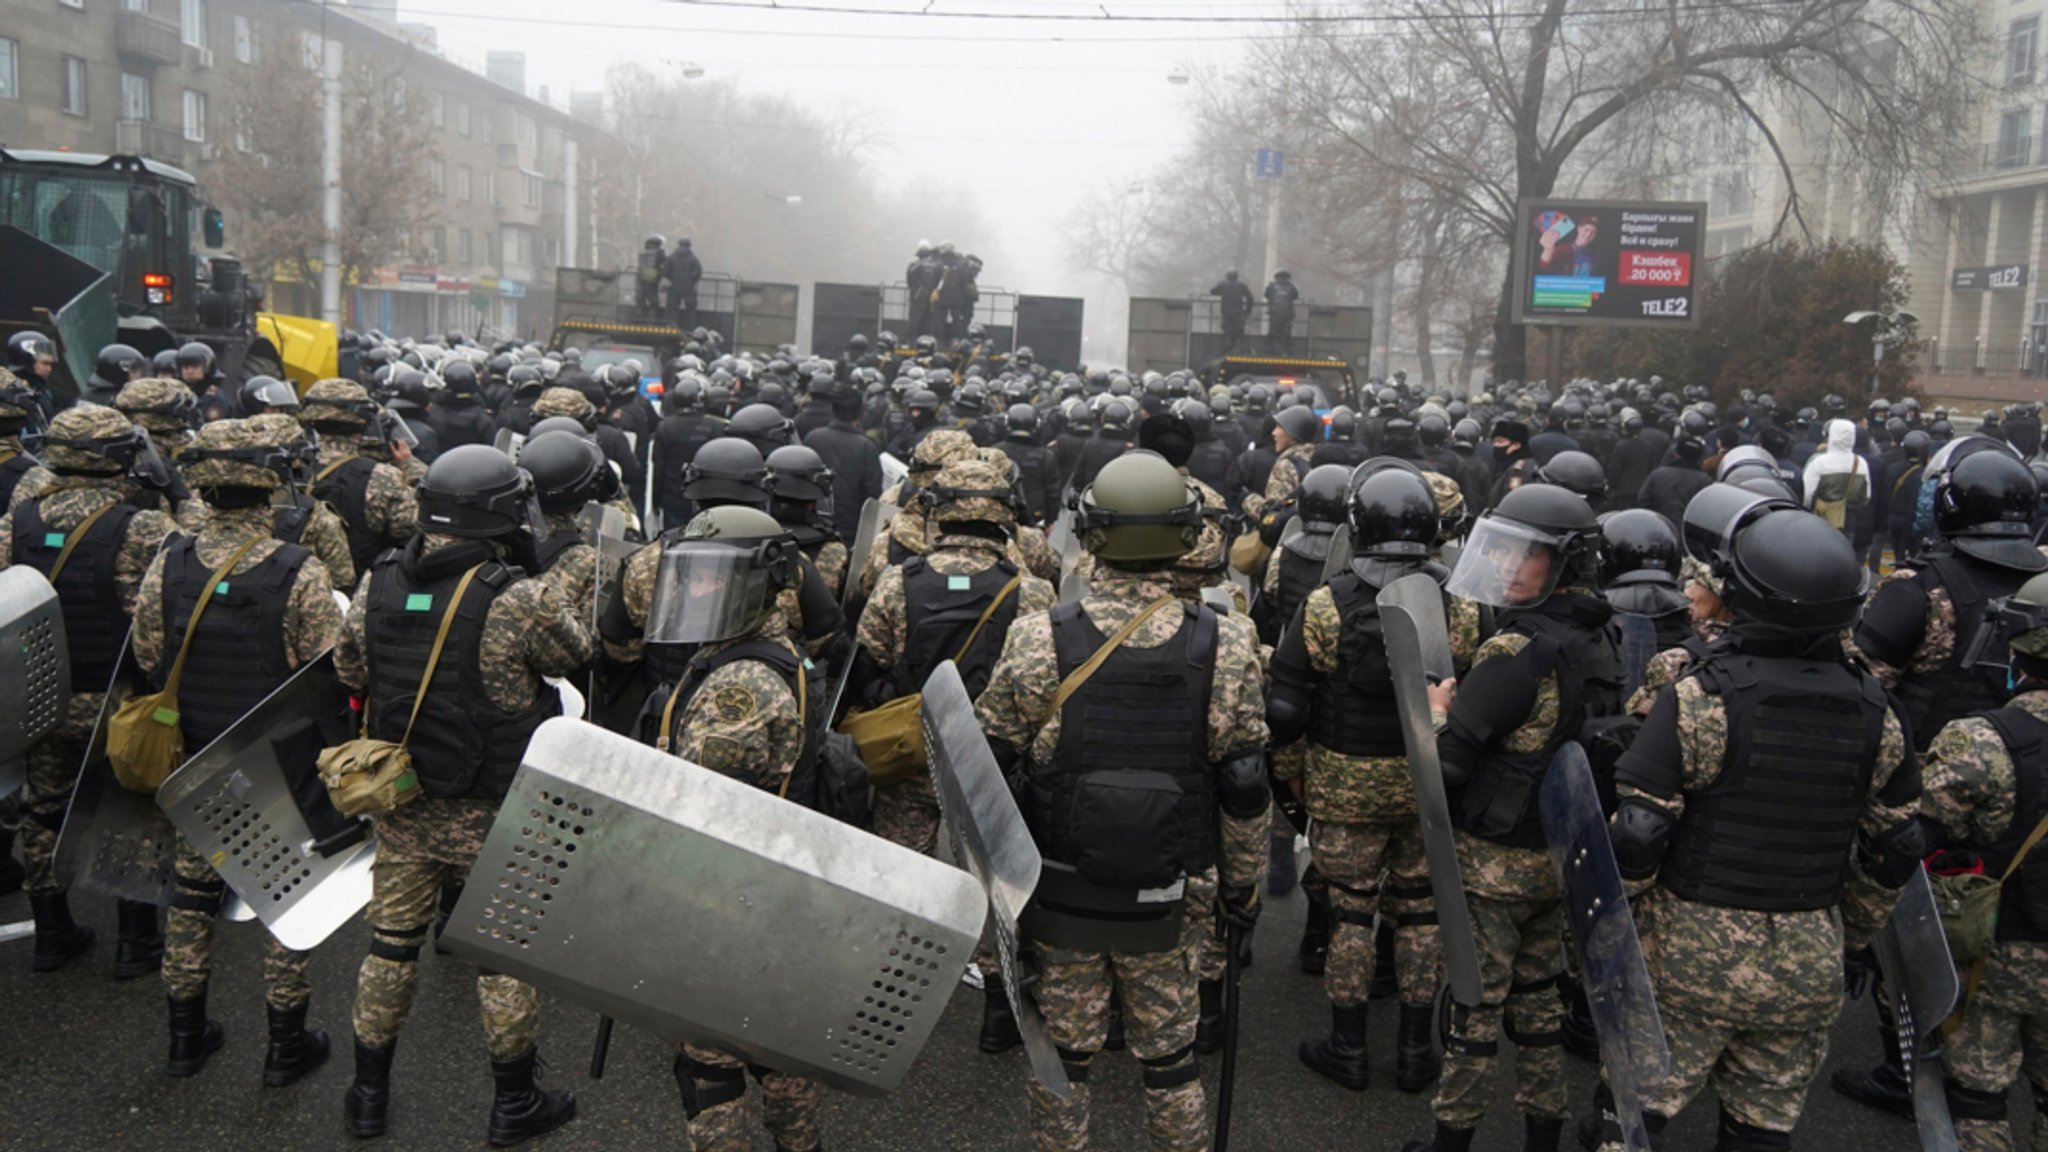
[990, 837]
[1419, 653]
[700, 908]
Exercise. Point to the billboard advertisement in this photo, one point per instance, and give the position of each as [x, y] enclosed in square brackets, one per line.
[1614, 263]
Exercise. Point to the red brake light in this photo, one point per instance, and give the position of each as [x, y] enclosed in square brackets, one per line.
[156, 280]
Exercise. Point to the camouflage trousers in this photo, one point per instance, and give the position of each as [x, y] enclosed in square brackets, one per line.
[1161, 1009]
[2004, 1032]
[196, 898]
[421, 848]
[51, 774]
[1210, 952]
[1353, 858]
[1520, 956]
[907, 813]
[789, 1105]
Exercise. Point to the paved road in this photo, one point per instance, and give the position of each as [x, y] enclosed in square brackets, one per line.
[81, 1062]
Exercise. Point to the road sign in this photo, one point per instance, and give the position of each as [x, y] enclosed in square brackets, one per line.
[1269, 164]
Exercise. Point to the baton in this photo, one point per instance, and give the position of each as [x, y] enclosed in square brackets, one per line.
[1233, 941]
[602, 1048]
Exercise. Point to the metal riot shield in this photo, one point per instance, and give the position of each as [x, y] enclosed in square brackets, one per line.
[1920, 977]
[1073, 586]
[1064, 540]
[510, 443]
[35, 668]
[700, 908]
[1419, 653]
[115, 841]
[894, 471]
[1339, 560]
[604, 529]
[990, 836]
[253, 805]
[874, 517]
[1634, 1056]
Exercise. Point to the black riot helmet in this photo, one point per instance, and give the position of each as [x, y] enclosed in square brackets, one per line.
[1343, 425]
[118, 364]
[459, 376]
[1577, 471]
[1393, 517]
[526, 382]
[727, 470]
[568, 471]
[25, 348]
[1640, 559]
[1788, 567]
[797, 474]
[1540, 537]
[1985, 505]
[1465, 435]
[1201, 421]
[762, 425]
[1322, 497]
[1023, 421]
[474, 490]
[1433, 429]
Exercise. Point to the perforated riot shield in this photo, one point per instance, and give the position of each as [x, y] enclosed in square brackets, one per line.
[989, 836]
[509, 442]
[700, 908]
[604, 529]
[1419, 654]
[253, 805]
[1339, 559]
[114, 841]
[35, 668]
[1634, 1056]
[1064, 541]
[1920, 977]
[874, 517]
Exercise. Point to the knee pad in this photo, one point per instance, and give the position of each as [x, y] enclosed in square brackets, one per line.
[1970, 1104]
[705, 1086]
[1171, 1070]
[399, 945]
[1455, 1022]
[1076, 1064]
[52, 821]
[201, 896]
[1735, 1136]
[1356, 917]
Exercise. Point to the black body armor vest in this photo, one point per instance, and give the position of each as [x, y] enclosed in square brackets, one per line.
[95, 620]
[2023, 901]
[1953, 691]
[347, 489]
[942, 610]
[238, 656]
[1355, 712]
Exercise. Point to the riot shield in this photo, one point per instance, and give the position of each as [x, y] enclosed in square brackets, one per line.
[1419, 653]
[1073, 586]
[252, 803]
[990, 837]
[894, 471]
[35, 668]
[874, 517]
[1064, 541]
[509, 442]
[703, 909]
[1633, 1054]
[1339, 559]
[604, 529]
[1920, 978]
[115, 841]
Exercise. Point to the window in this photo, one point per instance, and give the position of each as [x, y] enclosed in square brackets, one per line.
[529, 189]
[2021, 44]
[437, 170]
[134, 96]
[195, 116]
[462, 117]
[440, 248]
[464, 253]
[462, 182]
[135, 5]
[524, 128]
[245, 41]
[10, 88]
[192, 22]
[79, 4]
[2015, 138]
[74, 86]
[491, 189]
[437, 108]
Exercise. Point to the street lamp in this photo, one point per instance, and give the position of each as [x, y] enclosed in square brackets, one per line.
[1178, 77]
[1888, 328]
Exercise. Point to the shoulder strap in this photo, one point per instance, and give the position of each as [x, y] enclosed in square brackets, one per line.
[205, 596]
[72, 539]
[324, 473]
[1079, 676]
[434, 657]
[987, 614]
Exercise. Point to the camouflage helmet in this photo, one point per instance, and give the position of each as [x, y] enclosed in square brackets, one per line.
[335, 404]
[2026, 622]
[248, 453]
[91, 440]
[16, 399]
[1697, 571]
[939, 449]
[971, 489]
[1450, 504]
[565, 402]
[1205, 563]
[162, 406]
[1140, 510]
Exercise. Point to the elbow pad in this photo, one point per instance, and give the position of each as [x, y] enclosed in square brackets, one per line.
[1289, 703]
[1241, 785]
[616, 624]
[1495, 698]
[1891, 856]
[1640, 833]
[1894, 623]
[820, 609]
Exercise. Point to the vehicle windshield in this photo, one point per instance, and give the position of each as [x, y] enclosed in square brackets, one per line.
[598, 355]
[1320, 397]
[108, 220]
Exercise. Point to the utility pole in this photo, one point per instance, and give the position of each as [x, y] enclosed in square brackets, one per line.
[330, 175]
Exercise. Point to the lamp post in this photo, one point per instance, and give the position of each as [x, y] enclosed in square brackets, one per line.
[1887, 328]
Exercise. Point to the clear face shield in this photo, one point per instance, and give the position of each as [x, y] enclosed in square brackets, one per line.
[1507, 565]
[705, 592]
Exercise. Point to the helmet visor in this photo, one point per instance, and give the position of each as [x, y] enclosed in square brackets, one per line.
[1506, 564]
[705, 592]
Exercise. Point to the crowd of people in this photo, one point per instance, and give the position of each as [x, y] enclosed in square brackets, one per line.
[1805, 654]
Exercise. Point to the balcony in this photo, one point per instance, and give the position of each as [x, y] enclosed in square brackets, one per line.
[148, 138]
[140, 37]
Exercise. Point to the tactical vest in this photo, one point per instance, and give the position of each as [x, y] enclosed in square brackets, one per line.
[1355, 712]
[1299, 576]
[2023, 901]
[550, 549]
[803, 784]
[1774, 831]
[464, 745]
[940, 611]
[95, 619]
[1033, 463]
[1129, 797]
[346, 486]
[16, 466]
[1952, 691]
[1256, 467]
[288, 521]
[238, 654]
[1095, 454]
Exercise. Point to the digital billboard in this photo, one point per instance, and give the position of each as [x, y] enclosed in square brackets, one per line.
[1608, 262]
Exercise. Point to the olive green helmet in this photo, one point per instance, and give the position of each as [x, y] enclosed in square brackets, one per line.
[2025, 620]
[720, 580]
[1140, 510]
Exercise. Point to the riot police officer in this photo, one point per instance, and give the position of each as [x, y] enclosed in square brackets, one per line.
[855, 460]
[374, 501]
[1037, 468]
[800, 499]
[1295, 433]
[569, 473]
[684, 428]
[17, 409]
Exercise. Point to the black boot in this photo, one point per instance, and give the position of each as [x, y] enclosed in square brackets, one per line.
[1415, 1064]
[1884, 1087]
[1540, 1134]
[294, 1051]
[58, 936]
[1315, 935]
[193, 1036]
[11, 871]
[1113, 1041]
[140, 950]
[521, 1110]
[368, 1103]
[1341, 1056]
[1209, 1028]
[1447, 1139]
[450, 893]
[998, 1021]
[1383, 977]
[1581, 1038]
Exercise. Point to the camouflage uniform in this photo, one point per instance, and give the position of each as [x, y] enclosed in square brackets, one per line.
[831, 562]
[312, 623]
[1157, 990]
[574, 571]
[1747, 997]
[166, 410]
[1972, 794]
[636, 588]
[531, 632]
[52, 765]
[1282, 482]
[743, 723]
[389, 509]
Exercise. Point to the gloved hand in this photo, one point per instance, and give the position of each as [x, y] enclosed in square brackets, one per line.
[1238, 907]
[1858, 966]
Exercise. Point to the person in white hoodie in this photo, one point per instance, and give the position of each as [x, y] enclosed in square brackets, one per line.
[1837, 481]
